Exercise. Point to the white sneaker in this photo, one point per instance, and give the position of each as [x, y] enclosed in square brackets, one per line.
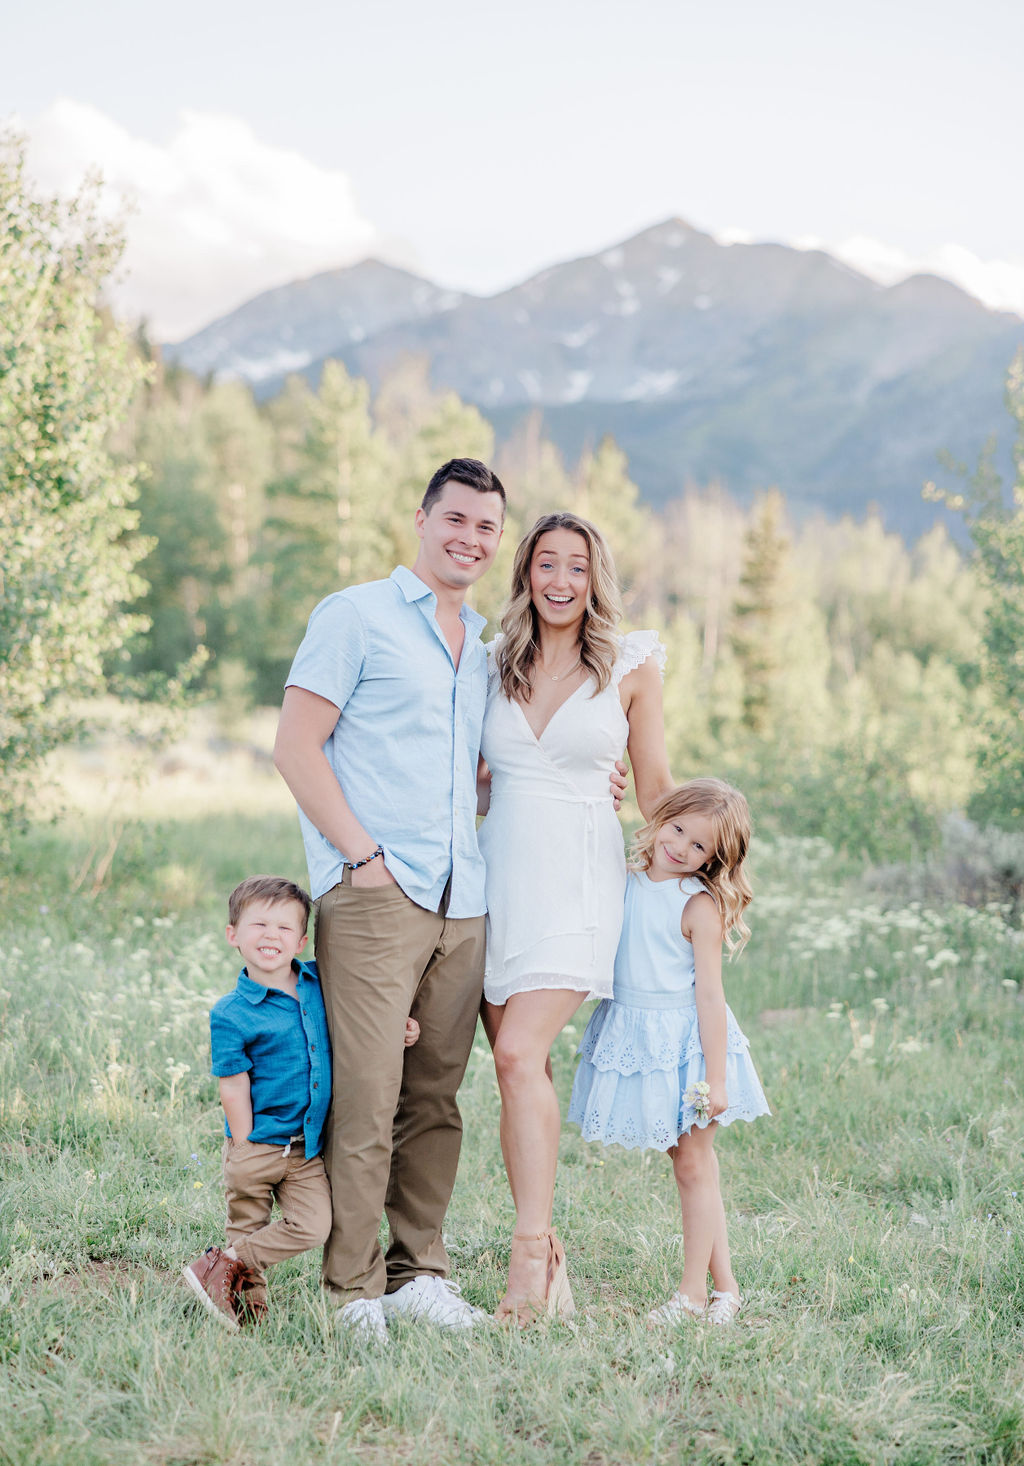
[678, 1307]
[436, 1299]
[364, 1318]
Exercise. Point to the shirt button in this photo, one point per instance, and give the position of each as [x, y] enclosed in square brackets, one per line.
[315, 1085]
[312, 1048]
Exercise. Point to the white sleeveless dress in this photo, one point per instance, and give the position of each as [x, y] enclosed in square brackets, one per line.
[552, 841]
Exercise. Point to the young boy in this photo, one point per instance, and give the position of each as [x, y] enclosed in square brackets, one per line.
[271, 1054]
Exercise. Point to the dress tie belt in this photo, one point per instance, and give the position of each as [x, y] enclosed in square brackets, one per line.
[593, 809]
[649, 998]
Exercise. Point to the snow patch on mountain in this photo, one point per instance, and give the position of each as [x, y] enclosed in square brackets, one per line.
[531, 384]
[576, 388]
[651, 384]
[261, 369]
[575, 339]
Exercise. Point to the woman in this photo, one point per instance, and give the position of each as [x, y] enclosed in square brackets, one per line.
[566, 695]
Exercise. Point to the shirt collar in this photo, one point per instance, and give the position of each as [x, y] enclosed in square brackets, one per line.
[414, 589]
[255, 992]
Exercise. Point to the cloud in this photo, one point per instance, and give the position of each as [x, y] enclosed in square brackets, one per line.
[999, 284]
[216, 216]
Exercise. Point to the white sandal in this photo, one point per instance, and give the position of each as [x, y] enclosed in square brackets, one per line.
[677, 1307]
[723, 1307]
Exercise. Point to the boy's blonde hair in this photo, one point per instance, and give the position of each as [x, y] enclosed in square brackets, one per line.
[266, 888]
[723, 877]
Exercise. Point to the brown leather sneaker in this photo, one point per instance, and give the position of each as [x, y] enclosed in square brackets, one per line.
[215, 1279]
[251, 1309]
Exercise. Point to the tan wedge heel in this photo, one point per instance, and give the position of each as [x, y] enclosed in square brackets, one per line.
[556, 1300]
[559, 1296]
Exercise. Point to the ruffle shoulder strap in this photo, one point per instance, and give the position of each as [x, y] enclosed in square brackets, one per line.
[636, 647]
[491, 648]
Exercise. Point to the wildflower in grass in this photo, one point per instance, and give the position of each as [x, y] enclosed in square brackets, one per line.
[910, 1046]
[697, 1097]
[946, 958]
[1009, 982]
[870, 973]
[880, 1005]
[175, 1072]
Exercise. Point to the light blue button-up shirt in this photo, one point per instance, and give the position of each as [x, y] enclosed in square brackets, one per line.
[405, 747]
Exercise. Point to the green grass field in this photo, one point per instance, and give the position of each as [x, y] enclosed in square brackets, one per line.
[876, 1219]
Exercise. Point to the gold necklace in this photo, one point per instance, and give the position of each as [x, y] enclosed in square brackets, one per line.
[559, 676]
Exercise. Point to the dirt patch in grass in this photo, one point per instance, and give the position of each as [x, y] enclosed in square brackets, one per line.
[105, 1274]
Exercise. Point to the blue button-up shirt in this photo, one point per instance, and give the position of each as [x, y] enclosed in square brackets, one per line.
[405, 747]
[284, 1047]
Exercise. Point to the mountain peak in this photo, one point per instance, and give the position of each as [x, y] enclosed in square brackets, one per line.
[756, 365]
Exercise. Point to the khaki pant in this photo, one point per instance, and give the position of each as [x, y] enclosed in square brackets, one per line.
[394, 1131]
[255, 1176]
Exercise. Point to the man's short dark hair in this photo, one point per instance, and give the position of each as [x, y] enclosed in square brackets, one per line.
[468, 471]
[274, 889]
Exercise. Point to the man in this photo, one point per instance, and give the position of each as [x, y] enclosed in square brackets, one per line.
[378, 741]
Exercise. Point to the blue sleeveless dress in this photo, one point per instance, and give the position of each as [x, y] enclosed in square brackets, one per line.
[641, 1049]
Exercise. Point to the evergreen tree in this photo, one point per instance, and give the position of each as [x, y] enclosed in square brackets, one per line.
[187, 568]
[997, 530]
[327, 518]
[606, 495]
[777, 635]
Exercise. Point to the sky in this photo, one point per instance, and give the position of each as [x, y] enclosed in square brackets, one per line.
[477, 144]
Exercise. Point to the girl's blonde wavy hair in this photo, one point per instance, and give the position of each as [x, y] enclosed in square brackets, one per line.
[599, 646]
[723, 877]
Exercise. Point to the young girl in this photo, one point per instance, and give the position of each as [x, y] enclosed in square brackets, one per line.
[663, 1061]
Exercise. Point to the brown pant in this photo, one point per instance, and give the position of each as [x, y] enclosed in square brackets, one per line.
[255, 1176]
[394, 1131]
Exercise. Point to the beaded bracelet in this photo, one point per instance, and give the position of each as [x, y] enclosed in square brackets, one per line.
[355, 864]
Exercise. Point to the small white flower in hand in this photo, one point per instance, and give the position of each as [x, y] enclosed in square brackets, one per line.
[698, 1097]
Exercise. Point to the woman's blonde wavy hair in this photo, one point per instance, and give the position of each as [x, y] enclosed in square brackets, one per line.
[724, 877]
[599, 646]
